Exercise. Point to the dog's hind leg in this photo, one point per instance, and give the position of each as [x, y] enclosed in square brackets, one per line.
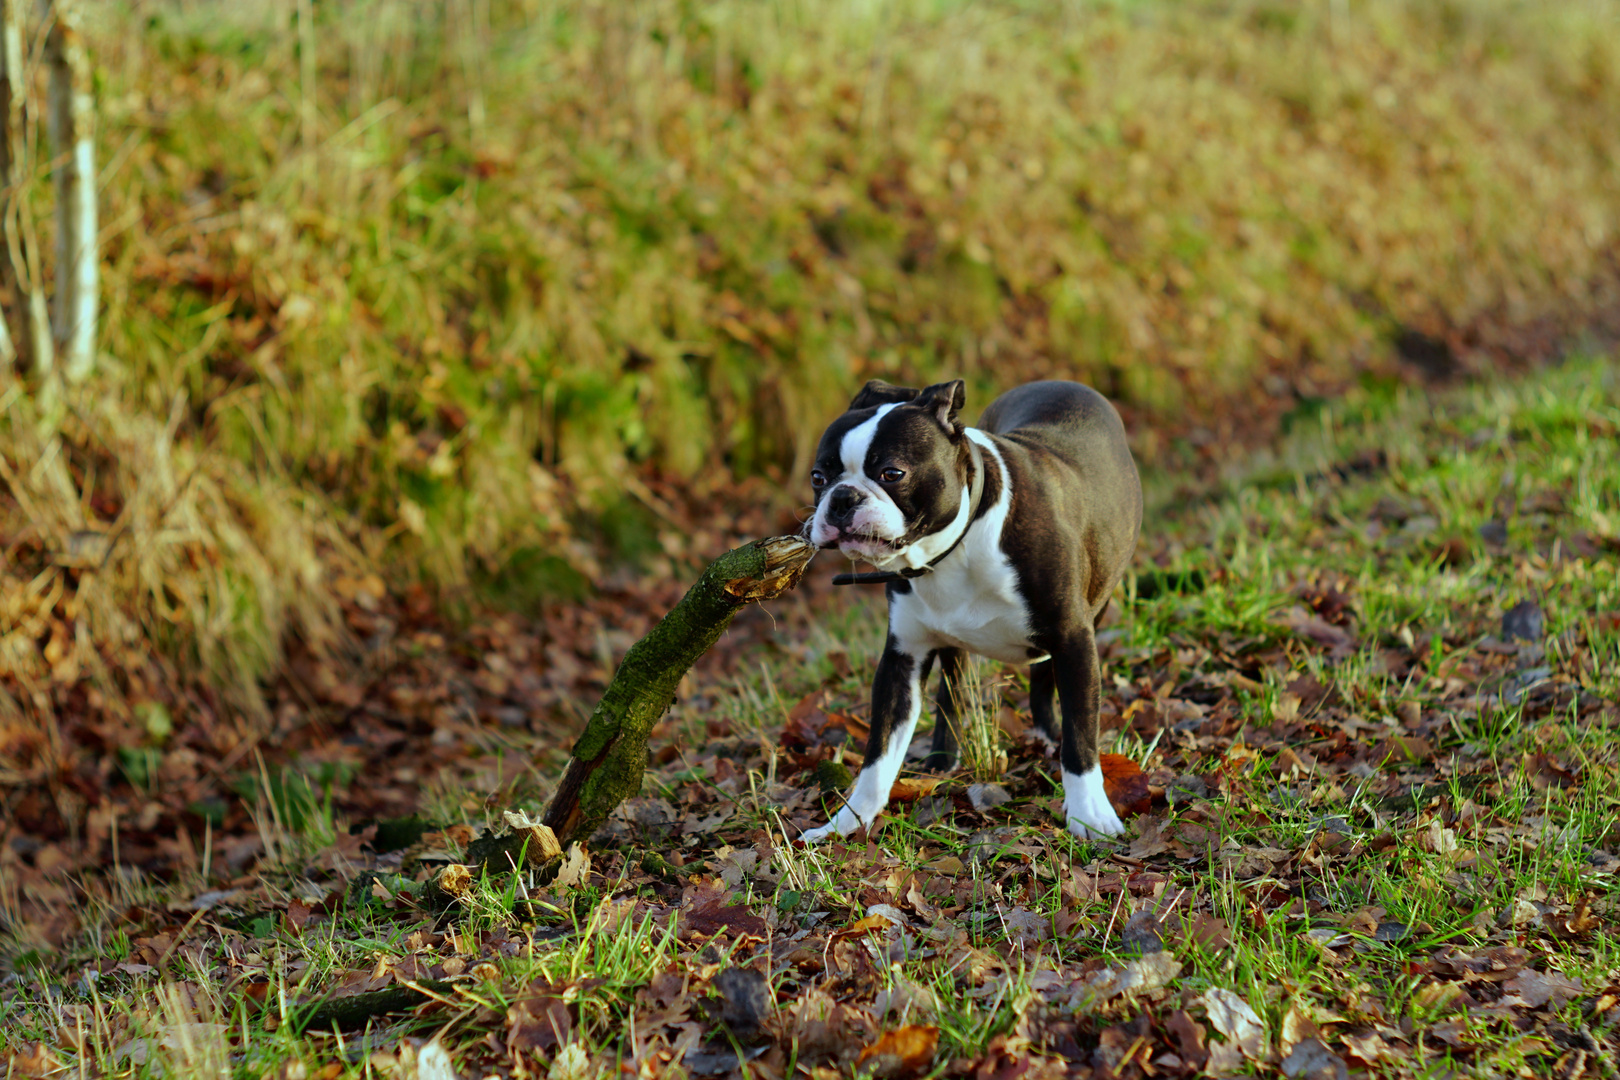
[1086, 809]
[946, 751]
[1042, 696]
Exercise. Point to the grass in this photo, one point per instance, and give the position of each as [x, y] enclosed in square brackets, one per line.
[487, 294]
[1367, 825]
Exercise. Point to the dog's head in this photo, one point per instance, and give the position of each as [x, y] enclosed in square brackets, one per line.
[889, 475]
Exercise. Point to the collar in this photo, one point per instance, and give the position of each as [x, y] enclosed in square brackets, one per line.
[975, 493]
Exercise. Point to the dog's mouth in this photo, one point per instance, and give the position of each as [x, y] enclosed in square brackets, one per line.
[866, 546]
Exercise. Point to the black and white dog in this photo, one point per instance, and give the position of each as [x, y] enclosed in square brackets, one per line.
[1006, 540]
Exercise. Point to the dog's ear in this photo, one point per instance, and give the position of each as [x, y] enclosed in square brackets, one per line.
[877, 392]
[943, 400]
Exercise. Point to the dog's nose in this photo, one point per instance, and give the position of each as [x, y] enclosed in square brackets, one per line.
[841, 505]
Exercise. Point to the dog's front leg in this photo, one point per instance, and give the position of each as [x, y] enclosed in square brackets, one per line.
[1086, 809]
[896, 701]
[946, 752]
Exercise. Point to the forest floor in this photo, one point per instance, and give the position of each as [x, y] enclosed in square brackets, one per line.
[1363, 701]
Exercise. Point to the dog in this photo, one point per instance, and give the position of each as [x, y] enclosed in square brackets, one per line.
[1005, 540]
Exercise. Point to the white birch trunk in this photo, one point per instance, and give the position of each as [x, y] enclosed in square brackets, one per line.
[12, 89]
[73, 149]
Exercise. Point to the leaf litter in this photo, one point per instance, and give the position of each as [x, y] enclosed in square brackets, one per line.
[1337, 860]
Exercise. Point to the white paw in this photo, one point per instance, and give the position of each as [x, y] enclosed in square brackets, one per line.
[1086, 809]
[842, 824]
[866, 801]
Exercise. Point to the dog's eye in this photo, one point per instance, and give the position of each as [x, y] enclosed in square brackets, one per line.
[892, 475]
[818, 479]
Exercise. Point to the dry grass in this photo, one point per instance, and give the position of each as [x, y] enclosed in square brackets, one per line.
[436, 278]
[135, 564]
[462, 263]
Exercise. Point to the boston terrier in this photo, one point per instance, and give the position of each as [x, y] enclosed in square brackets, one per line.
[1006, 540]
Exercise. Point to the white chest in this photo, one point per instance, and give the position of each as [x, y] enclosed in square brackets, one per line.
[967, 603]
[971, 599]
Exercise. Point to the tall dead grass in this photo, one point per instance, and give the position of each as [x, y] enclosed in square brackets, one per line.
[462, 252]
[141, 570]
[436, 277]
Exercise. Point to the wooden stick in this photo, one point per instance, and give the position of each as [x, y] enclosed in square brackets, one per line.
[611, 754]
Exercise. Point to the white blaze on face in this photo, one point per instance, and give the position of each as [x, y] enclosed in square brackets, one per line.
[877, 520]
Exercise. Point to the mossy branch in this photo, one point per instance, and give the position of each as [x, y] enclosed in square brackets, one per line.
[611, 754]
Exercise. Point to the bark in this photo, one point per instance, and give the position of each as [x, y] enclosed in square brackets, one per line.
[611, 754]
[73, 147]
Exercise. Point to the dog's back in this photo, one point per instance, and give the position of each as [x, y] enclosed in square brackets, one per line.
[1078, 425]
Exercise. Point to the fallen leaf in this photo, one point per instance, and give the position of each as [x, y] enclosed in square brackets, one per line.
[874, 920]
[1296, 1028]
[1026, 926]
[1151, 841]
[1125, 784]
[1189, 1036]
[912, 788]
[1233, 1017]
[539, 1024]
[1209, 932]
[1531, 989]
[1437, 838]
[298, 916]
[1310, 1060]
[1581, 920]
[746, 1001]
[1523, 621]
[902, 1052]
[988, 796]
[454, 880]
[1318, 631]
[1142, 933]
[1367, 1049]
[576, 865]
[1151, 972]
[36, 1060]
[704, 913]
[432, 1063]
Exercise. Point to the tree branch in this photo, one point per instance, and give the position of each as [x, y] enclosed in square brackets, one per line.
[611, 754]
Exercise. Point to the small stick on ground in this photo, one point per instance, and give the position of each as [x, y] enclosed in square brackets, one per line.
[611, 754]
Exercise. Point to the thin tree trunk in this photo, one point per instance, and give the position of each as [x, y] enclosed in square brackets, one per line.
[13, 91]
[73, 146]
[611, 754]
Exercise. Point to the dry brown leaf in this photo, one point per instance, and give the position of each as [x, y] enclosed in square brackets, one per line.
[1125, 784]
[1367, 1049]
[1531, 989]
[298, 915]
[704, 912]
[912, 788]
[35, 1059]
[576, 865]
[1189, 1036]
[1296, 1028]
[875, 921]
[902, 1052]
[1151, 972]
[1233, 1017]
